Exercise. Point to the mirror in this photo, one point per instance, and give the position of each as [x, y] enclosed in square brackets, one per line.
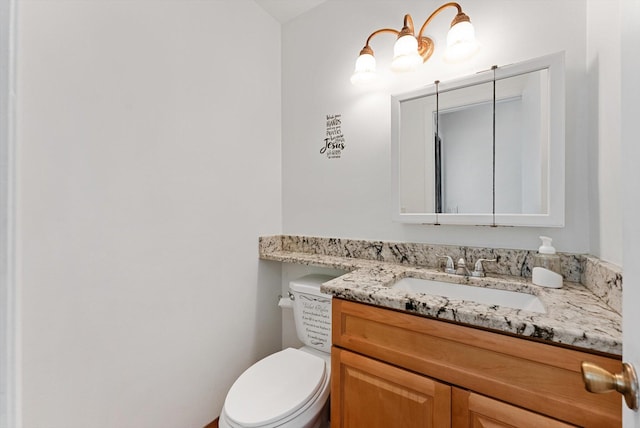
[485, 150]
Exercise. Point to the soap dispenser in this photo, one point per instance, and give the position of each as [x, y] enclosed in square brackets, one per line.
[546, 266]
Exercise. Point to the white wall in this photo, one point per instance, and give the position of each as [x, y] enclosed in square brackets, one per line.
[603, 65]
[630, 111]
[148, 167]
[351, 196]
[8, 305]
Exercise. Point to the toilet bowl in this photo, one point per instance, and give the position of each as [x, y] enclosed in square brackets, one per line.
[289, 389]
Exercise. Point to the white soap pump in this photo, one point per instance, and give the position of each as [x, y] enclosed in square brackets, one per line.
[546, 265]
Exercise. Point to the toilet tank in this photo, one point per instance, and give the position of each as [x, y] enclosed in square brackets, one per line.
[312, 311]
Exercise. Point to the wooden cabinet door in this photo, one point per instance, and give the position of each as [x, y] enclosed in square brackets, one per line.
[471, 410]
[369, 393]
[543, 378]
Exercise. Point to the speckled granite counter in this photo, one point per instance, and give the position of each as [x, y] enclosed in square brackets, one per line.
[585, 316]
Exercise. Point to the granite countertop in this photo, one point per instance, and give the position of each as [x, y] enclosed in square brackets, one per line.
[574, 315]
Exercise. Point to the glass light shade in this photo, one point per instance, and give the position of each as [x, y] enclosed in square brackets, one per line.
[461, 42]
[365, 71]
[405, 54]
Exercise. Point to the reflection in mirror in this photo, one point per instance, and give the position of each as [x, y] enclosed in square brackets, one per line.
[461, 155]
[465, 141]
[417, 186]
[522, 148]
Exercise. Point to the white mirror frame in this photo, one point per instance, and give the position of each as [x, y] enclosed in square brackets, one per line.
[556, 171]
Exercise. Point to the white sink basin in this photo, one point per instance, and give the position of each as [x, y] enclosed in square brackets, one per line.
[486, 296]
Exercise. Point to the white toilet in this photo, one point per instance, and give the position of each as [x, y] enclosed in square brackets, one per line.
[289, 389]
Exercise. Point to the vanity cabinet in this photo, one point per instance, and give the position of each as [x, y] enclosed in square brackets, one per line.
[373, 394]
[477, 411]
[393, 369]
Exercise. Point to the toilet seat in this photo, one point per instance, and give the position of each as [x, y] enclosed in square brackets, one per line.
[276, 389]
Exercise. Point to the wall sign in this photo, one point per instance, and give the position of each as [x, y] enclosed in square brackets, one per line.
[334, 140]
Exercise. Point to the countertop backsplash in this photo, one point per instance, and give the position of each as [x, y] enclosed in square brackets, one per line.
[584, 313]
[604, 280]
[601, 278]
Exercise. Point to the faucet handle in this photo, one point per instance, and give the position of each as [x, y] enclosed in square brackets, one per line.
[478, 270]
[449, 267]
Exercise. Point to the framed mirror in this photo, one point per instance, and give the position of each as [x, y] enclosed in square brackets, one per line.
[487, 149]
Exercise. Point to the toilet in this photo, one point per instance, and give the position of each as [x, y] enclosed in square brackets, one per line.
[289, 389]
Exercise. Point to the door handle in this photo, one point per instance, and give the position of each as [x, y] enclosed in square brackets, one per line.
[596, 379]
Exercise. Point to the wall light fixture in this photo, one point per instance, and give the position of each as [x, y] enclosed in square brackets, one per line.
[410, 51]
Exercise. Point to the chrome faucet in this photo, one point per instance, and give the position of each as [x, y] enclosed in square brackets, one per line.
[478, 270]
[449, 267]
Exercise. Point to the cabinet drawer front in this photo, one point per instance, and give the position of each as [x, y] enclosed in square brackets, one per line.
[471, 410]
[369, 393]
[533, 375]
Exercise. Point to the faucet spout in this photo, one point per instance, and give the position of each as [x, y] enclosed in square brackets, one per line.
[450, 268]
[462, 268]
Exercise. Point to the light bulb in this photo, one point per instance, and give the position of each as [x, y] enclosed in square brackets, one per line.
[461, 42]
[365, 71]
[405, 54]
